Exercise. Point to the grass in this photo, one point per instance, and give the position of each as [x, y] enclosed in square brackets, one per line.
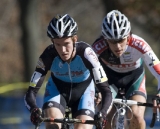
[17, 89]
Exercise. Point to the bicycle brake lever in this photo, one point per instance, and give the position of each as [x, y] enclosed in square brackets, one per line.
[37, 126]
[157, 116]
[40, 121]
[99, 125]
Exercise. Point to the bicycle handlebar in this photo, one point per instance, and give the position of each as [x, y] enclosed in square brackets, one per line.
[155, 116]
[131, 102]
[97, 123]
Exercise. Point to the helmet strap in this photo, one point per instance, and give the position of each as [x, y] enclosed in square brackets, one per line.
[74, 47]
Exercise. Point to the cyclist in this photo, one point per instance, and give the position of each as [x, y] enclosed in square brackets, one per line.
[122, 54]
[74, 68]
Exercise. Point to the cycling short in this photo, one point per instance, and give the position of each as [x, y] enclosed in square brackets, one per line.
[81, 99]
[132, 82]
[137, 88]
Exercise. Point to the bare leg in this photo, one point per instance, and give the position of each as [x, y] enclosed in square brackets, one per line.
[137, 121]
[54, 113]
[83, 126]
[109, 118]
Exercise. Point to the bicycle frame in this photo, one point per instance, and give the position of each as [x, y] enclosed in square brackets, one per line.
[120, 114]
[121, 118]
[121, 111]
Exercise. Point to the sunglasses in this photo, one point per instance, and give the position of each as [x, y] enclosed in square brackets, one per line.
[113, 41]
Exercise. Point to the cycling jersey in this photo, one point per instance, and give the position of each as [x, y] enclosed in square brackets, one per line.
[66, 76]
[137, 50]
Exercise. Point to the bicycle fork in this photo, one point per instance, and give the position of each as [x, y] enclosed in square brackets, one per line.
[121, 118]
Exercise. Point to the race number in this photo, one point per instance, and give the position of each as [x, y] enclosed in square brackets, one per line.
[35, 78]
[99, 75]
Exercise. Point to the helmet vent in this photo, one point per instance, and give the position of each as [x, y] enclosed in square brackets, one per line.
[115, 25]
[62, 26]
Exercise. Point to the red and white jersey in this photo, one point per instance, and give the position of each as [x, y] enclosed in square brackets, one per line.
[137, 51]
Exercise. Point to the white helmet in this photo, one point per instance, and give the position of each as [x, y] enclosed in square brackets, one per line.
[115, 26]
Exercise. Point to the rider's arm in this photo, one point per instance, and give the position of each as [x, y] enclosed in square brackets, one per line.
[153, 64]
[35, 84]
[43, 65]
[100, 79]
[103, 86]
[143, 50]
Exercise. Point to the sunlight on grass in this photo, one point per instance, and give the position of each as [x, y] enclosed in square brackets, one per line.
[11, 120]
[7, 88]
[13, 86]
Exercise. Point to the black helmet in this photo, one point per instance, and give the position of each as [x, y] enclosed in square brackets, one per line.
[62, 26]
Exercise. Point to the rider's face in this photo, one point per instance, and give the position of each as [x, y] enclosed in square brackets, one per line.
[118, 47]
[64, 47]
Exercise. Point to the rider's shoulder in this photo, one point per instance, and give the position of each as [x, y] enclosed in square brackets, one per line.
[50, 50]
[139, 43]
[137, 39]
[82, 45]
[50, 46]
[99, 45]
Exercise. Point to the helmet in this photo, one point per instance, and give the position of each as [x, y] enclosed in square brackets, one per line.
[115, 26]
[62, 26]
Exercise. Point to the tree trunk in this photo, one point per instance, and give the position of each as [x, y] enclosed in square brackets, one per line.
[111, 5]
[30, 29]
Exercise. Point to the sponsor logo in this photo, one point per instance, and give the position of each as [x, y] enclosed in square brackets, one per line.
[141, 46]
[92, 94]
[154, 61]
[100, 46]
[89, 104]
[124, 65]
[73, 73]
[113, 60]
[87, 112]
[50, 104]
[92, 54]
[127, 57]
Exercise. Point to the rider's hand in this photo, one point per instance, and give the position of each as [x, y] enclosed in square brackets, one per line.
[98, 98]
[36, 113]
[158, 99]
[102, 118]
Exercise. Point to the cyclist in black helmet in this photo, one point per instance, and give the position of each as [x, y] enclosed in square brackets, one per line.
[122, 55]
[74, 68]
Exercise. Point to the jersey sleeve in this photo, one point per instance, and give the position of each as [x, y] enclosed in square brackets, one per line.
[38, 76]
[153, 64]
[99, 46]
[148, 55]
[100, 79]
[97, 70]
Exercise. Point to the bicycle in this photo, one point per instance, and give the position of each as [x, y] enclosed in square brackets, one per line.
[121, 105]
[68, 121]
[155, 115]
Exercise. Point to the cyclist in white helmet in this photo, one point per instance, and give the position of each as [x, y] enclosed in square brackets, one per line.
[74, 69]
[122, 54]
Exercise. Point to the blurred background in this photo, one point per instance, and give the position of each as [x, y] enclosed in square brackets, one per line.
[23, 38]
